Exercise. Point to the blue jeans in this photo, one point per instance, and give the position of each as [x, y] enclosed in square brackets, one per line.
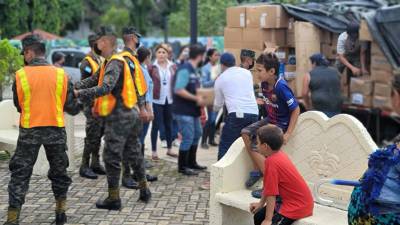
[162, 118]
[232, 129]
[209, 127]
[174, 134]
[190, 129]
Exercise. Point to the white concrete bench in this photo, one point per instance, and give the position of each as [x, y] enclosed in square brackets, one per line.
[320, 148]
[9, 135]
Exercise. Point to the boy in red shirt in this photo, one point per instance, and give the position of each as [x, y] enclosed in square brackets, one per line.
[280, 178]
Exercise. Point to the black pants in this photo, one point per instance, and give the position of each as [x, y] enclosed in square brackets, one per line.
[278, 219]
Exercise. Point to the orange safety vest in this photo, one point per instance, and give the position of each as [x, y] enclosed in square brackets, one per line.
[42, 91]
[104, 105]
[93, 64]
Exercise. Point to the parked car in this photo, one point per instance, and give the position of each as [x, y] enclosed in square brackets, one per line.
[73, 58]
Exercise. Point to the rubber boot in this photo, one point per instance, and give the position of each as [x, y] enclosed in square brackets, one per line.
[183, 162]
[112, 202]
[192, 159]
[127, 180]
[211, 136]
[13, 216]
[61, 217]
[84, 170]
[145, 194]
[96, 166]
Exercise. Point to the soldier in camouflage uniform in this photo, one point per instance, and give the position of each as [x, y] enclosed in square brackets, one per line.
[94, 125]
[36, 130]
[122, 125]
[131, 40]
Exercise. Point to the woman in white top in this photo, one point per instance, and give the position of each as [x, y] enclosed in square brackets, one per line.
[162, 72]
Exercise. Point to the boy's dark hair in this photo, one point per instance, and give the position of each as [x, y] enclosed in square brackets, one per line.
[271, 135]
[92, 40]
[270, 61]
[196, 50]
[143, 53]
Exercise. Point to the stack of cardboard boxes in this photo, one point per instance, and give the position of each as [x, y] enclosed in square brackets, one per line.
[259, 28]
[266, 28]
[375, 88]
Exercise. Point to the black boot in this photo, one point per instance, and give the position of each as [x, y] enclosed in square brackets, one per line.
[96, 166]
[61, 218]
[211, 136]
[183, 162]
[112, 202]
[12, 216]
[84, 170]
[144, 194]
[192, 159]
[127, 180]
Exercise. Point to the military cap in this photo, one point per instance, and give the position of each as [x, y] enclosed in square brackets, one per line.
[247, 53]
[131, 30]
[105, 31]
[30, 40]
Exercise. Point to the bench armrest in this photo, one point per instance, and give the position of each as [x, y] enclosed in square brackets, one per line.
[9, 115]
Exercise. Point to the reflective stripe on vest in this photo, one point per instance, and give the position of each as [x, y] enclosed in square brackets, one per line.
[93, 64]
[105, 104]
[26, 109]
[41, 94]
[140, 80]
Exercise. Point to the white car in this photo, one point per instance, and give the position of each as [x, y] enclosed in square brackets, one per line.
[73, 58]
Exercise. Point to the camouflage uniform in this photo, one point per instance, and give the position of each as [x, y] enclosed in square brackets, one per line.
[54, 140]
[136, 145]
[94, 125]
[122, 126]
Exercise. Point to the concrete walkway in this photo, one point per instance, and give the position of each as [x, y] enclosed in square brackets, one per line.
[177, 199]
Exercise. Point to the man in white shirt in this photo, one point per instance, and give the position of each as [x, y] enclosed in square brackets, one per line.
[234, 89]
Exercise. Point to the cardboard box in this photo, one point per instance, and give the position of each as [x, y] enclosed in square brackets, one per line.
[255, 38]
[383, 90]
[380, 63]
[381, 76]
[207, 94]
[361, 100]
[326, 37]
[266, 16]
[307, 43]
[306, 32]
[290, 72]
[329, 51]
[363, 85]
[381, 102]
[290, 37]
[364, 34]
[233, 37]
[236, 17]
[376, 49]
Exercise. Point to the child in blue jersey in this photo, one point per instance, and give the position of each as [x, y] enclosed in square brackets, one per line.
[281, 106]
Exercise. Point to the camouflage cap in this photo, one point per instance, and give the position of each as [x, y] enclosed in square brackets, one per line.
[247, 53]
[105, 31]
[30, 40]
[131, 30]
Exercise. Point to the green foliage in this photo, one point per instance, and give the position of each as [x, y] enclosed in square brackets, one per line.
[10, 61]
[13, 18]
[46, 15]
[71, 11]
[211, 18]
[116, 17]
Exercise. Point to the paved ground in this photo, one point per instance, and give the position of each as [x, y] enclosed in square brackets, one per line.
[176, 198]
